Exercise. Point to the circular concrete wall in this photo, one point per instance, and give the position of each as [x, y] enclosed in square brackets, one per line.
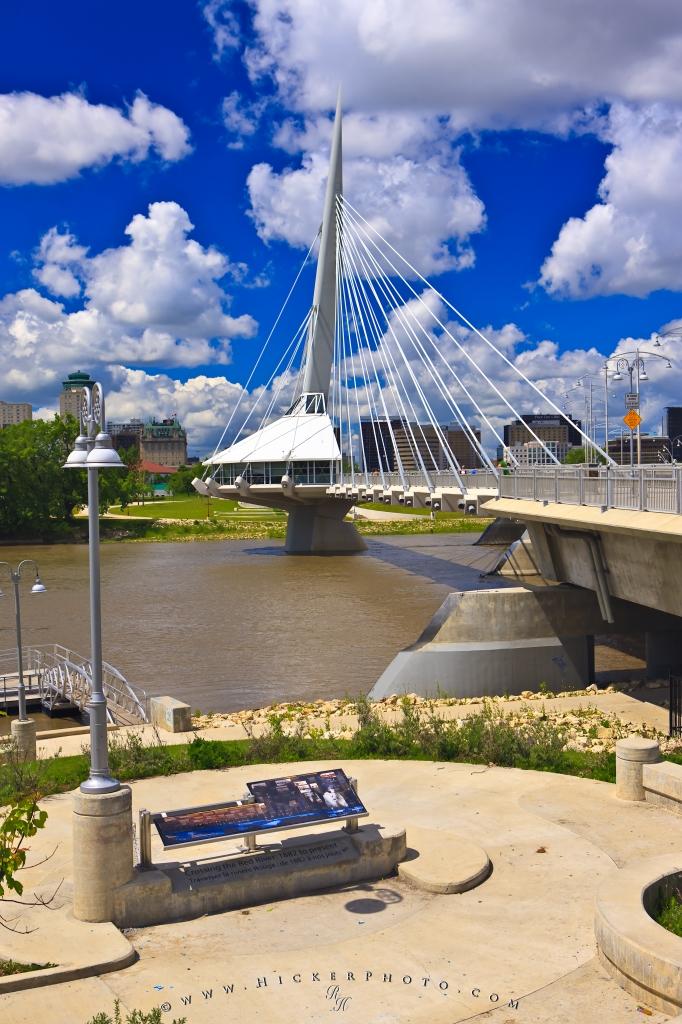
[642, 956]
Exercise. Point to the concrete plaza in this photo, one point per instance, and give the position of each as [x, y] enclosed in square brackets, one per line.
[518, 948]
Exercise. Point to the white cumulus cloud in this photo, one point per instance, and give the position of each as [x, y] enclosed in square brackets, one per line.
[241, 118]
[156, 301]
[426, 208]
[520, 63]
[45, 139]
[630, 242]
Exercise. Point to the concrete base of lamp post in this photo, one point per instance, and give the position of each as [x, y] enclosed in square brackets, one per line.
[102, 851]
[24, 737]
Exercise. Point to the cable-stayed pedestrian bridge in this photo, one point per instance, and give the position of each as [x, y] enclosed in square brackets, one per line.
[384, 392]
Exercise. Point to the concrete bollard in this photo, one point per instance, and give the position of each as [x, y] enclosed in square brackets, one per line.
[24, 736]
[631, 756]
[102, 851]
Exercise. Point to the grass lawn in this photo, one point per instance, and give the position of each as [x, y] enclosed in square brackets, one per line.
[190, 507]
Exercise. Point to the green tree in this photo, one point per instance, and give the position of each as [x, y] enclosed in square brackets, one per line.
[577, 455]
[181, 481]
[35, 491]
[122, 486]
[574, 456]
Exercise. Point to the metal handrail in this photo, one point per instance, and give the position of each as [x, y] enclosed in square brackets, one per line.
[66, 674]
[639, 488]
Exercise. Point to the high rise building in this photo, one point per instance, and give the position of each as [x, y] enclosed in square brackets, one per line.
[532, 453]
[377, 444]
[672, 422]
[546, 426]
[655, 450]
[15, 412]
[386, 444]
[71, 394]
[126, 435]
[164, 443]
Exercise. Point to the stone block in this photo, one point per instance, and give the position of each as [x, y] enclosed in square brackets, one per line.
[299, 865]
[170, 714]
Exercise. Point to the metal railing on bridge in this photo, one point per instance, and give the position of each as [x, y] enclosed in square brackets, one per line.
[640, 488]
[675, 710]
[63, 678]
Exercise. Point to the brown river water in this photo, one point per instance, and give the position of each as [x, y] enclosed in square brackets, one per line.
[236, 624]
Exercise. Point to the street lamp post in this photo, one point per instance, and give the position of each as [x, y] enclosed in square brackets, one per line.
[25, 742]
[636, 370]
[675, 442]
[93, 451]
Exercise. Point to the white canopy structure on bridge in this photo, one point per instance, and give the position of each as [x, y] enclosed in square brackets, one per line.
[379, 363]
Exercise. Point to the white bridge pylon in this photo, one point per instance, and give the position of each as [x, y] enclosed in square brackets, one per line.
[385, 392]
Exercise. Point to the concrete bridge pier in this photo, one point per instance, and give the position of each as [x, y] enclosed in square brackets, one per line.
[491, 642]
[320, 529]
[663, 650]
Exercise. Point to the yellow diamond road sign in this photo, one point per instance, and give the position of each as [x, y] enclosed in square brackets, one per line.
[632, 419]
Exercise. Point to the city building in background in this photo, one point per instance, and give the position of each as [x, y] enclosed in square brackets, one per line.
[126, 435]
[531, 453]
[164, 443]
[72, 390]
[15, 412]
[546, 427]
[388, 444]
[377, 444]
[672, 424]
[655, 450]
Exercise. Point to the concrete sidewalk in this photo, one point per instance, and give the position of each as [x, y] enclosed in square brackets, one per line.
[519, 948]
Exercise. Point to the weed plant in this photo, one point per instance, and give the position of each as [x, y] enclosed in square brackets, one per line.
[670, 913]
[134, 1017]
[487, 737]
[8, 967]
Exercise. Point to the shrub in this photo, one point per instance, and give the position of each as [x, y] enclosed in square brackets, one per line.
[131, 758]
[670, 913]
[207, 753]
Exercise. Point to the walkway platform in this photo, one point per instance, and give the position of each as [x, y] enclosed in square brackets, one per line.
[518, 947]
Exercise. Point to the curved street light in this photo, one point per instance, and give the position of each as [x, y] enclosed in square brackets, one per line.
[635, 368]
[15, 576]
[93, 450]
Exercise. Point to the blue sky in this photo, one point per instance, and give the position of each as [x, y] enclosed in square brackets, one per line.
[532, 173]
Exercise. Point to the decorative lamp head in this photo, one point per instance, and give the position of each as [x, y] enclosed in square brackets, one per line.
[38, 587]
[77, 457]
[104, 455]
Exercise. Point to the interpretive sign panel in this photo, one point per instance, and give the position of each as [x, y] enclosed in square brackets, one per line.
[315, 796]
[278, 804]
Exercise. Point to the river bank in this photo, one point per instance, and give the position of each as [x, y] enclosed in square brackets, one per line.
[155, 530]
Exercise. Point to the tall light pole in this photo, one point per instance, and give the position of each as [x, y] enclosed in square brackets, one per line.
[93, 451]
[675, 442]
[636, 370]
[38, 587]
